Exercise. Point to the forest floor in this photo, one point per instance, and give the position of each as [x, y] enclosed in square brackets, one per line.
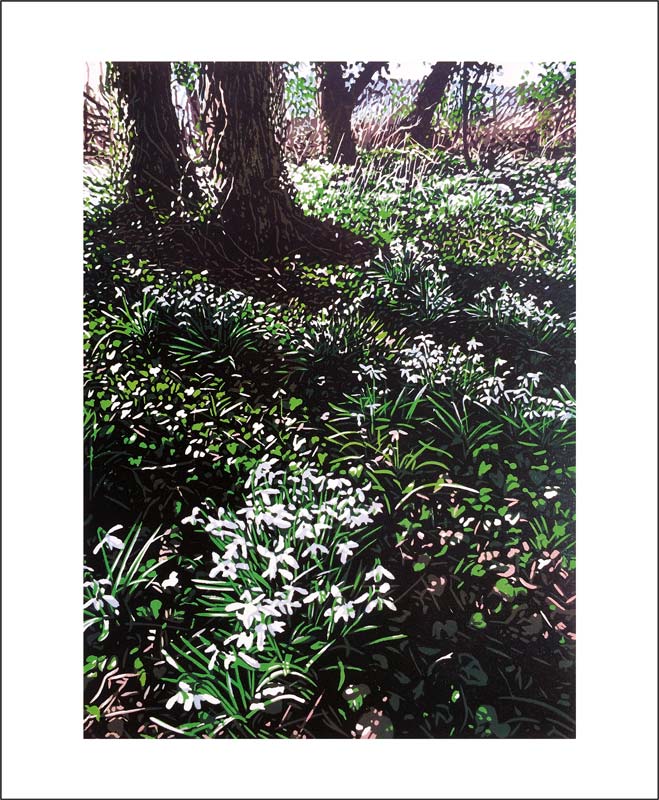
[348, 521]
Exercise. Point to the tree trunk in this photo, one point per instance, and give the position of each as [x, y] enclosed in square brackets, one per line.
[257, 212]
[465, 117]
[418, 121]
[336, 107]
[256, 217]
[157, 170]
[337, 103]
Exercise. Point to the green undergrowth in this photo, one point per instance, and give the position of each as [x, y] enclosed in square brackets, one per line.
[356, 521]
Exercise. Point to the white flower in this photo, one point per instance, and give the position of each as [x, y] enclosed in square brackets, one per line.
[248, 610]
[236, 544]
[241, 639]
[171, 581]
[379, 602]
[360, 518]
[472, 344]
[261, 630]
[378, 573]
[344, 550]
[100, 597]
[279, 556]
[214, 654]
[345, 611]
[314, 549]
[337, 483]
[276, 516]
[225, 568]
[251, 662]
[220, 523]
[111, 542]
[304, 531]
[193, 519]
[186, 696]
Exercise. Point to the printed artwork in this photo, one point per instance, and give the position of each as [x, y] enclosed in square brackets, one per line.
[329, 400]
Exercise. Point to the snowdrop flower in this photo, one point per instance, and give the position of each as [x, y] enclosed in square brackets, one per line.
[220, 523]
[237, 543]
[337, 483]
[171, 581]
[472, 344]
[109, 541]
[227, 569]
[251, 662]
[248, 610]
[212, 649]
[279, 556]
[276, 516]
[262, 629]
[360, 518]
[314, 549]
[188, 699]
[193, 519]
[304, 531]
[267, 494]
[378, 601]
[242, 639]
[313, 596]
[345, 611]
[344, 550]
[310, 475]
[100, 597]
[378, 573]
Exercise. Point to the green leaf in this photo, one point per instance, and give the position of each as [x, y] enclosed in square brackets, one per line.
[483, 468]
[477, 621]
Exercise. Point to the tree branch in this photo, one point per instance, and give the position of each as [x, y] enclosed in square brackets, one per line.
[364, 78]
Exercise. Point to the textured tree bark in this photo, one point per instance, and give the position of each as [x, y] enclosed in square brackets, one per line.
[336, 107]
[337, 103]
[418, 121]
[258, 214]
[157, 163]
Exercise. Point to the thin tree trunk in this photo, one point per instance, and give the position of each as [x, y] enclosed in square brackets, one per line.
[418, 122]
[337, 103]
[465, 117]
[336, 107]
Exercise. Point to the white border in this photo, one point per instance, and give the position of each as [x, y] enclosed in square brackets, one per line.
[44, 48]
